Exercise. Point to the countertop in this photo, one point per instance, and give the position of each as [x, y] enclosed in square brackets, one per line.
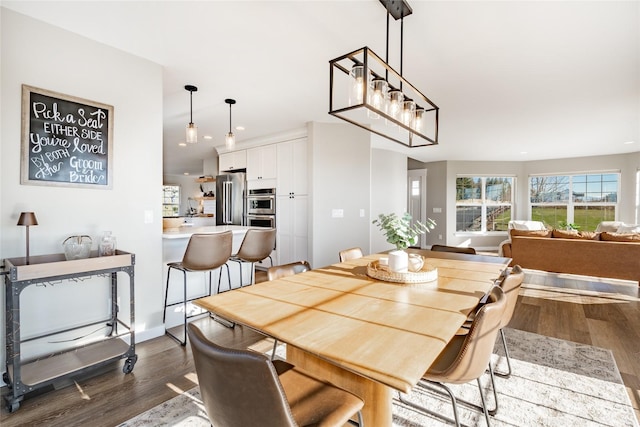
[186, 232]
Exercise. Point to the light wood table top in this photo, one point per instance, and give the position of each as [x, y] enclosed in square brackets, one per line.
[389, 333]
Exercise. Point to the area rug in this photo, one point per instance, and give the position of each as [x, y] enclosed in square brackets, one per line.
[554, 383]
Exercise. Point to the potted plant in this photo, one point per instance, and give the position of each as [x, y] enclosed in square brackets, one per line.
[401, 232]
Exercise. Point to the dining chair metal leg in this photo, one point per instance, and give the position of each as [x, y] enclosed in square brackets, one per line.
[429, 411]
[184, 309]
[220, 278]
[428, 385]
[506, 353]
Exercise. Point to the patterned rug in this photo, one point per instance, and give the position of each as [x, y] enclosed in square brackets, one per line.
[554, 383]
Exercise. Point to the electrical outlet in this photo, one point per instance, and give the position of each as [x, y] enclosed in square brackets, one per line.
[439, 236]
[337, 213]
[361, 213]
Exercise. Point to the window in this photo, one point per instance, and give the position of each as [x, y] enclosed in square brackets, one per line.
[583, 200]
[170, 200]
[483, 203]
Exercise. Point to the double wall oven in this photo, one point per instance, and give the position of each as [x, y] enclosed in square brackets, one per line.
[261, 207]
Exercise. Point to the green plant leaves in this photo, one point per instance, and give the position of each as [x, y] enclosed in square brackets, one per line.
[400, 231]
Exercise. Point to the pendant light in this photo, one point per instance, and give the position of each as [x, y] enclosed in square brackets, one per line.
[378, 98]
[192, 129]
[230, 139]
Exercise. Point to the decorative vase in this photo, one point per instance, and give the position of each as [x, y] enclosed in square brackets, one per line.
[398, 261]
[107, 245]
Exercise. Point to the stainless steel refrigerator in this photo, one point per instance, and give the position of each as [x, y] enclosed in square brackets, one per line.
[230, 199]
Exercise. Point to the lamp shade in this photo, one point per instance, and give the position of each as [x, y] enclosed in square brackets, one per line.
[27, 218]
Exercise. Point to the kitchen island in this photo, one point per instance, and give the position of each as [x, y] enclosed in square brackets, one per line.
[174, 244]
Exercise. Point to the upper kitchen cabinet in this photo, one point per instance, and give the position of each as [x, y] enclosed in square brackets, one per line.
[261, 167]
[232, 161]
[292, 168]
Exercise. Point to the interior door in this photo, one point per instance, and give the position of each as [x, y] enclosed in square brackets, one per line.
[417, 198]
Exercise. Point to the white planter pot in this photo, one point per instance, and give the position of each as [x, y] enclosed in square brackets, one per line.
[398, 261]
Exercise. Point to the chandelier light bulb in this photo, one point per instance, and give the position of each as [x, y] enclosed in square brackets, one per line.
[356, 91]
[378, 94]
[408, 112]
[395, 103]
[418, 122]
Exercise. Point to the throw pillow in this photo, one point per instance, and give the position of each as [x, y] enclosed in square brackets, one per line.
[565, 234]
[615, 237]
[574, 234]
[609, 226]
[633, 228]
[530, 233]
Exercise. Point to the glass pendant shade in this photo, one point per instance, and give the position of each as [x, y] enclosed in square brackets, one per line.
[229, 140]
[418, 122]
[408, 112]
[395, 103]
[356, 89]
[192, 133]
[377, 97]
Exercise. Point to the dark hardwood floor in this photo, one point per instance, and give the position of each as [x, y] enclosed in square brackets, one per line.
[604, 314]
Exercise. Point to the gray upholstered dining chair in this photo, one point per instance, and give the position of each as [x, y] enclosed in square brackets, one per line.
[245, 388]
[466, 357]
[256, 245]
[454, 249]
[510, 285]
[204, 253]
[284, 270]
[351, 253]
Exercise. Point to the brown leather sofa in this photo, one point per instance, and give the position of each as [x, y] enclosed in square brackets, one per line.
[594, 254]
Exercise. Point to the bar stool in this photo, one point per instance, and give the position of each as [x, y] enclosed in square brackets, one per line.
[256, 246]
[205, 252]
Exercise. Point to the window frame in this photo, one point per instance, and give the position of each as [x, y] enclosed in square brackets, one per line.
[571, 204]
[484, 205]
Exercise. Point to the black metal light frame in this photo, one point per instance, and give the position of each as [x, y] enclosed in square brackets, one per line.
[375, 67]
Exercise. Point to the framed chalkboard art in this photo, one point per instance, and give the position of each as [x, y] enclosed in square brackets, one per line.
[66, 141]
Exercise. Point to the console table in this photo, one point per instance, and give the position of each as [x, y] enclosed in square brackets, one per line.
[24, 376]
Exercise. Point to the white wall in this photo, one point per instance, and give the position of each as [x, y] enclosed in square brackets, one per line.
[44, 56]
[388, 192]
[340, 159]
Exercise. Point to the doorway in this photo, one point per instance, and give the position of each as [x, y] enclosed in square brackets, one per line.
[417, 198]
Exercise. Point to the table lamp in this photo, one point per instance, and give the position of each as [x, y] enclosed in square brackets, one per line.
[27, 219]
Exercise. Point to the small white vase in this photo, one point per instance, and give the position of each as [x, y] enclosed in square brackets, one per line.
[398, 261]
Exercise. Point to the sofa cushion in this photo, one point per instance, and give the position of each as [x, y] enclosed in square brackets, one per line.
[575, 234]
[530, 233]
[618, 237]
[628, 228]
[609, 226]
[526, 225]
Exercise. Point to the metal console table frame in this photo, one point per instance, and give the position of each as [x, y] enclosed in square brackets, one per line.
[24, 376]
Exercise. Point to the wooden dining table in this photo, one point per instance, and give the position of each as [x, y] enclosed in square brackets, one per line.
[368, 336]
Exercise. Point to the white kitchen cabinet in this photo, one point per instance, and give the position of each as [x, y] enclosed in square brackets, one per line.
[232, 161]
[292, 237]
[292, 168]
[261, 163]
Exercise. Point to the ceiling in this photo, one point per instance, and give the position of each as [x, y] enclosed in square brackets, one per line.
[514, 80]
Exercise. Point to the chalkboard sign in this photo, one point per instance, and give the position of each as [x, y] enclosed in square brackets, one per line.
[66, 141]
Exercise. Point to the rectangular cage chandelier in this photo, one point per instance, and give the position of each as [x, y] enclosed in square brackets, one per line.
[367, 92]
